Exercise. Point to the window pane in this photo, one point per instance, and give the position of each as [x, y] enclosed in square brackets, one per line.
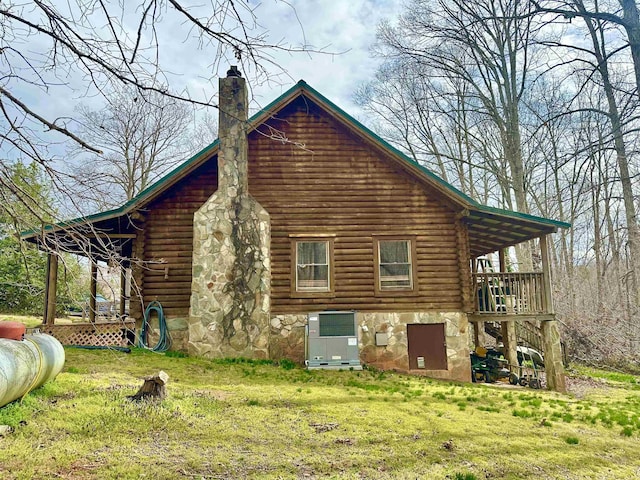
[395, 264]
[395, 270]
[312, 266]
[394, 251]
[312, 253]
[395, 275]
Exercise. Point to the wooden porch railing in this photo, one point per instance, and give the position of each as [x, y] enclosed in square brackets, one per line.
[510, 293]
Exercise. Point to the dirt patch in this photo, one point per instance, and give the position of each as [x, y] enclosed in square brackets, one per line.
[215, 394]
[581, 386]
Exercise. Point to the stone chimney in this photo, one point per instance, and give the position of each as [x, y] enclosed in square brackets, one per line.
[231, 276]
[233, 174]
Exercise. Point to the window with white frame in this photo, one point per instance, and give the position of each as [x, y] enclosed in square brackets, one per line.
[395, 268]
[313, 269]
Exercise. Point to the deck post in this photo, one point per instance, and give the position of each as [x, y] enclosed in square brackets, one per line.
[546, 274]
[123, 290]
[510, 341]
[502, 264]
[50, 300]
[94, 291]
[553, 365]
[479, 335]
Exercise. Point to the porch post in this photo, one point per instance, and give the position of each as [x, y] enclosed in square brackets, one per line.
[50, 300]
[509, 341]
[123, 291]
[553, 365]
[94, 291]
[476, 334]
[546, 274]
[502, 264]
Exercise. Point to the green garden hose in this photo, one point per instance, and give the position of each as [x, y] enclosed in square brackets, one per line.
[164, 341]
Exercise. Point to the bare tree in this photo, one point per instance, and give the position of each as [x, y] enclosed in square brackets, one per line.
[54, 49]
[487, 46]
[621, 13]
[436, 122]
[142, 136]
[602, 64]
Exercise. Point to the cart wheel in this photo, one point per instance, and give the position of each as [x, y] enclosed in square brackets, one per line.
[534, 383]
[523, 382]
[513, 379]
[487, 377]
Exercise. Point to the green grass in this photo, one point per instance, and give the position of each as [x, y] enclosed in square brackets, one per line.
[29, 321]
[236, 418]
[610, 376]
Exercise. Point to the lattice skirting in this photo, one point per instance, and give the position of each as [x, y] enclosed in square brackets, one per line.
[113, 334]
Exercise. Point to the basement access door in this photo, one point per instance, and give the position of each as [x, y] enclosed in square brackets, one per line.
[427, 346]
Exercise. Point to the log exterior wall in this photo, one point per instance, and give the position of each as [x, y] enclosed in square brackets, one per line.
[168, 240]
[337, 185]
[323, 181]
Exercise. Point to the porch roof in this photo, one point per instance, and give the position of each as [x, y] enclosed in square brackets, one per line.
[490, 228]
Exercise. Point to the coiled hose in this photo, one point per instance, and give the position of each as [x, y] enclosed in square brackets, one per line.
[164, 341]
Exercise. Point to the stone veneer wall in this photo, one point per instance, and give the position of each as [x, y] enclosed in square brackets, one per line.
[230, 292]
[287, 340]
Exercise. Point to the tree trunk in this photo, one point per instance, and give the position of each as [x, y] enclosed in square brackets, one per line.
[623, 164]
[632, 27]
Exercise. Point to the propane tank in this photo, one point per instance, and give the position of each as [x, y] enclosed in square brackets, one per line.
[28, 364]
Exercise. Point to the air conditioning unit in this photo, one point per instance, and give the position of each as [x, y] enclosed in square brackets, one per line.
[332, 341]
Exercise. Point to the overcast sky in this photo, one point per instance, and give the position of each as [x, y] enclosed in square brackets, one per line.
[347, 26]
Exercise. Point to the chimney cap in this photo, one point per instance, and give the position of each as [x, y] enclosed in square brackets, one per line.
[233, 71]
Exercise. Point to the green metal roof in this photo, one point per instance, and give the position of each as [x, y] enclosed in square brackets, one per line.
[301, 88]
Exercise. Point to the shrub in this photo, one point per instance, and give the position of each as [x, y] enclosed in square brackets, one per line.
[287, 364]
[465, 476]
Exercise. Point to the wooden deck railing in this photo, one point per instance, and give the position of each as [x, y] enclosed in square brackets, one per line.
[510, 293]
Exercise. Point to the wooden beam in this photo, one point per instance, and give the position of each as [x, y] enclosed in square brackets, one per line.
[110, 235]
[50, 293]
[546, 274]
[46, 290]
[510, 342]
[504, 317]
[94, 291]
[502, 264]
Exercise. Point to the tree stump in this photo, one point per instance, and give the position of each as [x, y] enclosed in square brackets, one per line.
[154, 387]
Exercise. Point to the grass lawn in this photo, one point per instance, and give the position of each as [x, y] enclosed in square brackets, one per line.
[226, 419]
[32, 321]
[29, 320]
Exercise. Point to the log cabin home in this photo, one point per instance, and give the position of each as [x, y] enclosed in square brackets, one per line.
[302, 209]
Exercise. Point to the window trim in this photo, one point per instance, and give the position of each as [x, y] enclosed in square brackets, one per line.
[295, 240]
[394, 291]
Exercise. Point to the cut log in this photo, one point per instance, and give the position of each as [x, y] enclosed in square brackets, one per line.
[154, 387]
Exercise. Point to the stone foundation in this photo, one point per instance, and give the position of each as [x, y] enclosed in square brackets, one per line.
[178, 334]
[287, 337]
[288, 332]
